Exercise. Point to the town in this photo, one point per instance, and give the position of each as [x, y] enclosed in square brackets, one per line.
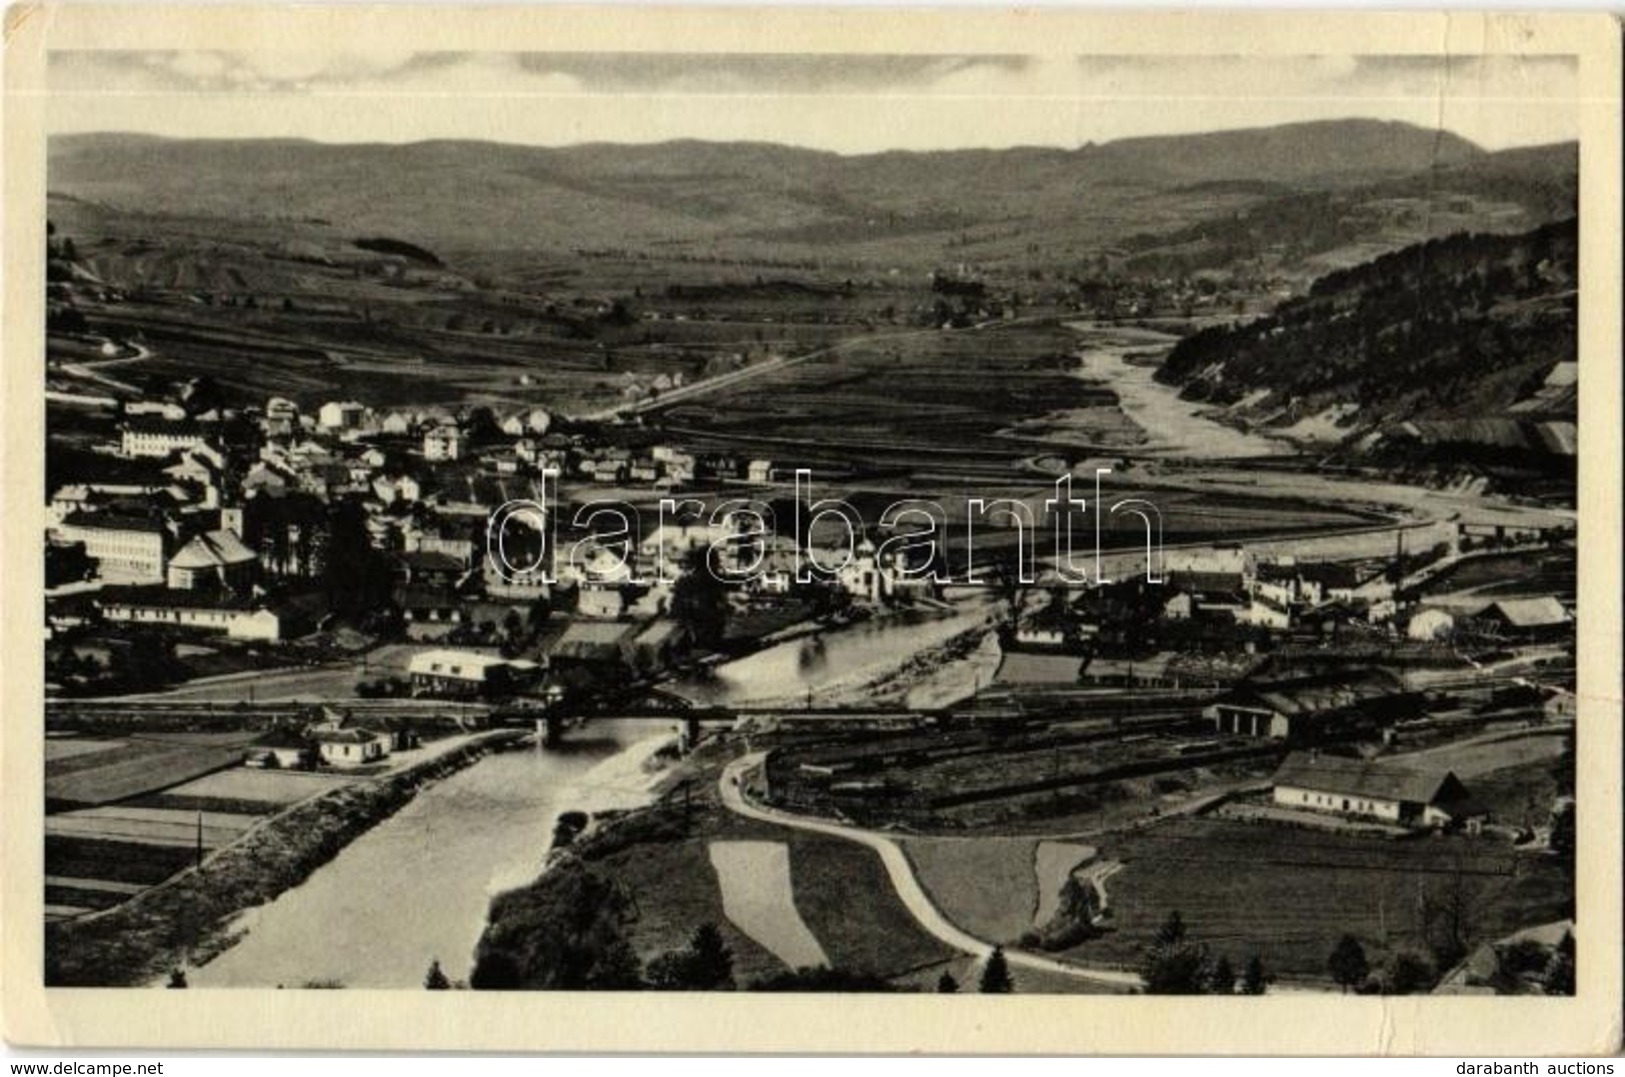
[817, 630]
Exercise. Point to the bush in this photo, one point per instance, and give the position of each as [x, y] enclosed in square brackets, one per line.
[1410, 974]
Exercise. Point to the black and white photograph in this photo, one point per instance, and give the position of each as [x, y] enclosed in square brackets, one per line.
[1056, 521]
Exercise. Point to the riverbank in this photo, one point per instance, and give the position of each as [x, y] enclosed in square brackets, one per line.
[1116, 356]
[187, 920]
[848, 664]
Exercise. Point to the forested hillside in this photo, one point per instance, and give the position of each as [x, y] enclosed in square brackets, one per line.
[1465, 329]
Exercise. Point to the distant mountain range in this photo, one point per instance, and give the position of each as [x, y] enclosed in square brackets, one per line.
[991, 205]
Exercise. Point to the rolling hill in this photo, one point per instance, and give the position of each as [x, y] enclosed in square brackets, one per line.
[988, 204]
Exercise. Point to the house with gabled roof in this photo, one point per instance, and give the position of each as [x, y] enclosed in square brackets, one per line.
[1529, 619]
[1409, 793]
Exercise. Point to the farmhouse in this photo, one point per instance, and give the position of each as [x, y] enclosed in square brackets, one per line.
[1305, 709]
[1393, 792]
[603, 645]
[466, 674]
[351, 746]
[1150, 671]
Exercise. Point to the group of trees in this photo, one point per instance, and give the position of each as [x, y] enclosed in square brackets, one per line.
[1175, 964]
[569, 931]
[699, 601]
[995, 978]
[1407, 972]
[1424, 330]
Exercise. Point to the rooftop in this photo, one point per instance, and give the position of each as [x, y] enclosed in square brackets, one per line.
[1528, 612]
[113, 521]
[445, 662]
[1384, 779]
[213, 549]
[1310, 695]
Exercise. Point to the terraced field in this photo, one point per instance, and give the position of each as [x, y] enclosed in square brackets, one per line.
[124, 815]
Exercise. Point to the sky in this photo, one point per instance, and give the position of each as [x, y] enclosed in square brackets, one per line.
[844, 103]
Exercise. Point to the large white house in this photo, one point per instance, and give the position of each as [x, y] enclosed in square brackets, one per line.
[1390, 791]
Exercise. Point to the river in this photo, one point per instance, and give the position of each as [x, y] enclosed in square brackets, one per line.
[416, 887]
[834, 667]
[1175, 427]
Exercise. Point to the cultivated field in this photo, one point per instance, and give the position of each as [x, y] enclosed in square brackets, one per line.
[985, 885]
[1289, 894]
[139, 764]
[840, 892]
[759, 899]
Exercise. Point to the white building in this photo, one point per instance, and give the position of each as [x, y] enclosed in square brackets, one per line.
[340, 415]
[444, 672]
[126, 549]
[353, 746]
[238, 620]
[158, 438]
[1388, 791]
[392, 488]
[444, 442]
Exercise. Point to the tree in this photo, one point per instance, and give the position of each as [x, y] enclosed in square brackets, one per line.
[1254, 981]
[699, 601]
[1348, 963]
[481, 422]
[541, 608]
[177, 978]
[1223, 979]
[1560, 973]
[1075, 916]
[1174, 965]
[996, 974]
[1447, 921]
[706, 964]
[1409, 973]
[434, 979]
[713, 960]
[566, 931]
[947, 985]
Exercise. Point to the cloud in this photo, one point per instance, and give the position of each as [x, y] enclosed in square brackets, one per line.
[924, 101]
[790, 73]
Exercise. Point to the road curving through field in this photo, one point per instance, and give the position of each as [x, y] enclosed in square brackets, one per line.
[903, 880]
